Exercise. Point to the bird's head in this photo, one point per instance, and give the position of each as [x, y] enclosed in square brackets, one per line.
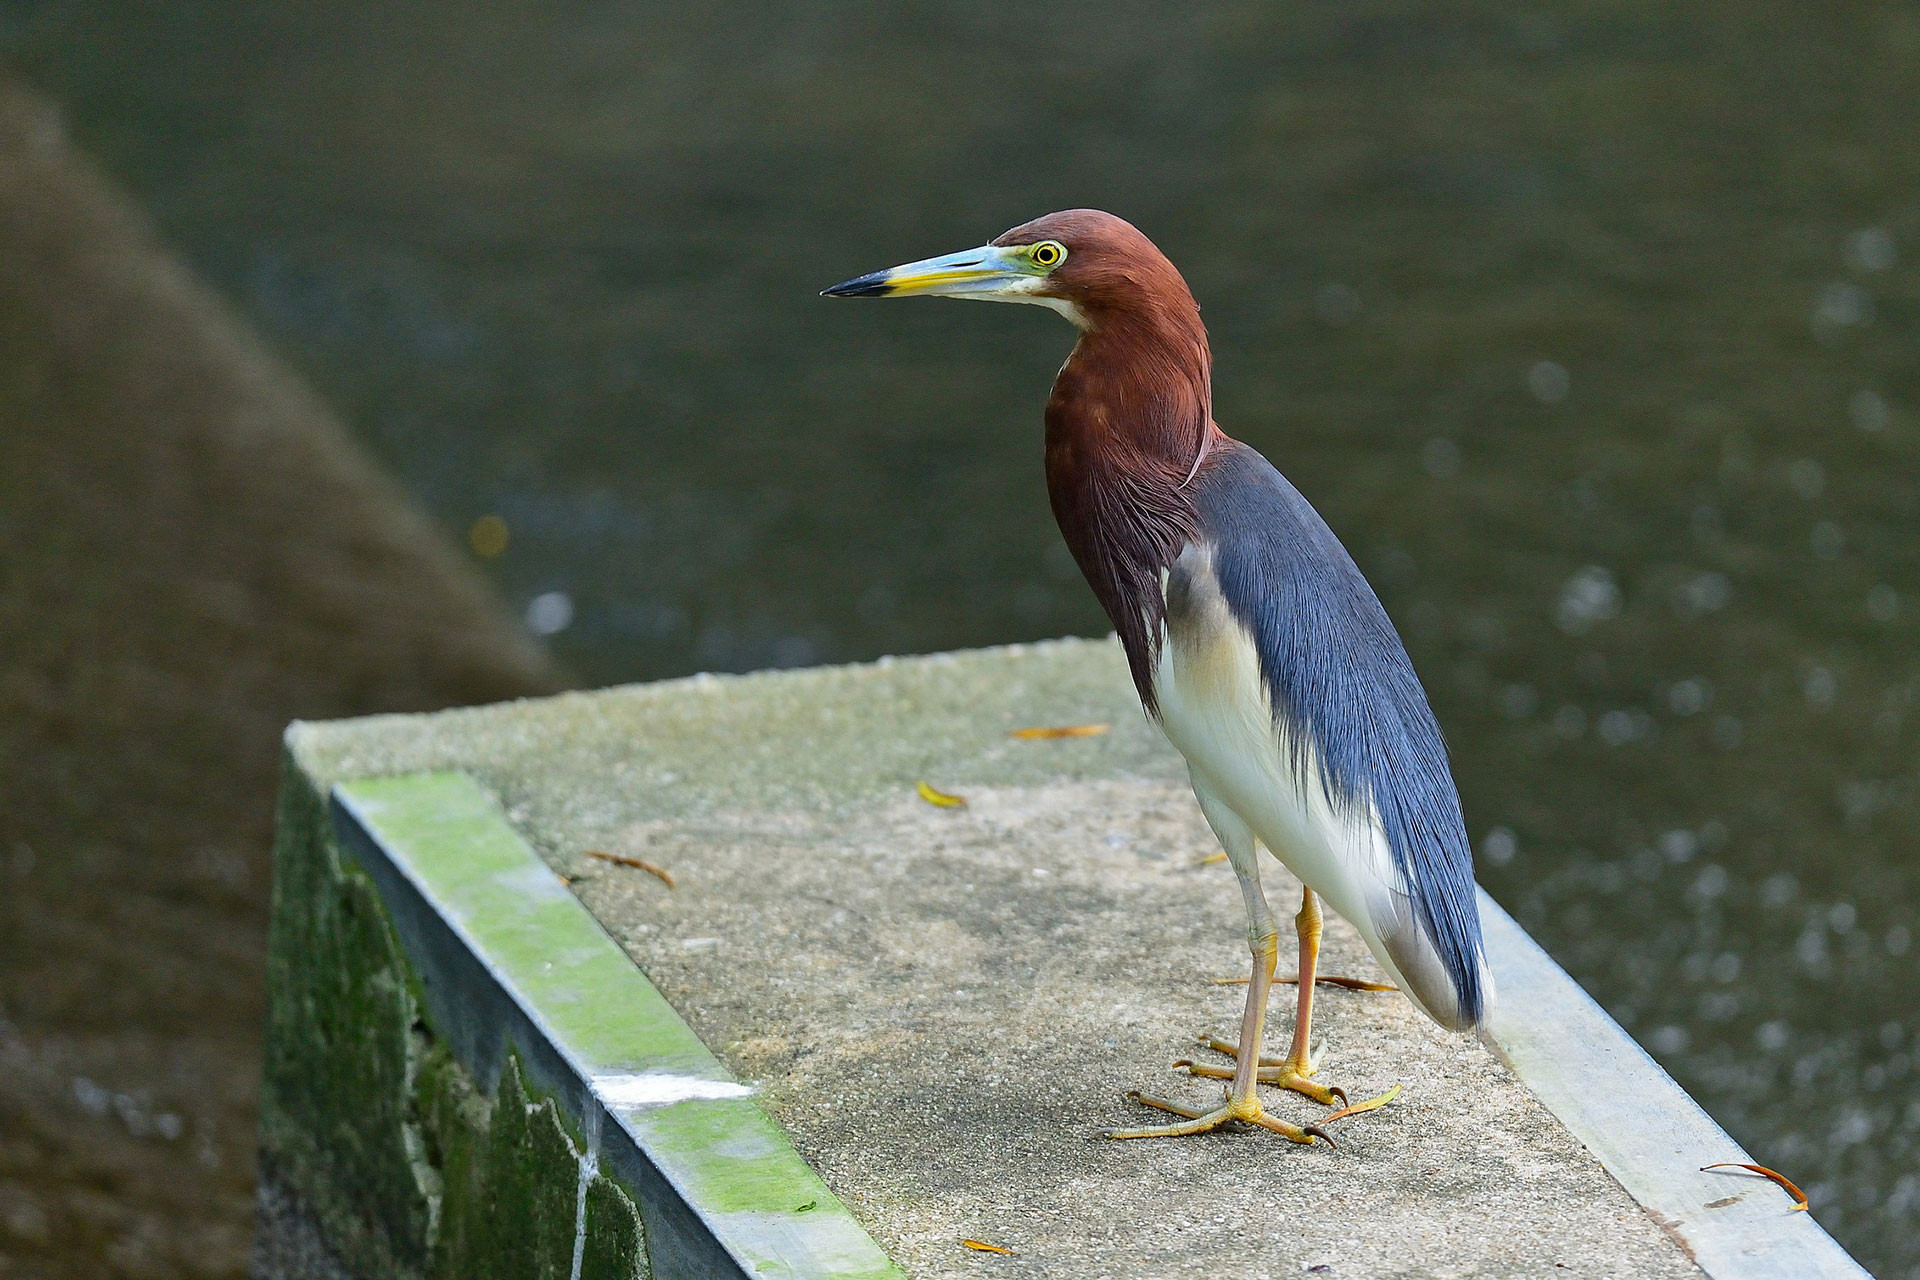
[1085, 264]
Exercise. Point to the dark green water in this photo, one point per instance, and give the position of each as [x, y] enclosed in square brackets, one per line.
[1591, 328]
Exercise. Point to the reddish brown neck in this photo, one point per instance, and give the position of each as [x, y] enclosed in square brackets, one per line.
[1129, 418]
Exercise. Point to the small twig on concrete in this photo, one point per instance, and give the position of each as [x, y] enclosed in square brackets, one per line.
[1799, 1196]
[638, 864]
[939, 799]
[1371, 1104]
[1063, 731]
[981, 1246]
[1324, 980]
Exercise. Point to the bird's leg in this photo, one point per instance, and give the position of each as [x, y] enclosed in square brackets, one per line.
[1242, 1101]
[1293, 1071]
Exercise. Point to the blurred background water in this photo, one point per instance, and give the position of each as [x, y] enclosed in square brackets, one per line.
[1590, 328]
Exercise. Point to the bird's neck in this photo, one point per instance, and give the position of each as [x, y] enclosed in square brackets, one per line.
[1128, 425]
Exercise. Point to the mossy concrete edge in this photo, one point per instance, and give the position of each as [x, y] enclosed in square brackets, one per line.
[512, 968]
[383, 1154]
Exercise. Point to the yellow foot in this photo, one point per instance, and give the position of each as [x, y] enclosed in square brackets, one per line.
[1285, 1072]
[1247, 1109]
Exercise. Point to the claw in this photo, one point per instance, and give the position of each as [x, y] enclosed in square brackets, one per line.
[1315, 1131]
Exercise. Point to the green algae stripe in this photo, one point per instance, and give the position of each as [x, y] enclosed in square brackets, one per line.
[646, 1068]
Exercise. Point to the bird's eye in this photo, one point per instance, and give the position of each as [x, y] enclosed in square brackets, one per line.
[1048, 253]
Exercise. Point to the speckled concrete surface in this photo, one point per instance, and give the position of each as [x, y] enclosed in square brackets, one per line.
[945, 1006]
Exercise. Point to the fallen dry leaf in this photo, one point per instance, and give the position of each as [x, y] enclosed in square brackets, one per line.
[981, 1246]
[940, 798]
[1799, 1196]
[1371, 1104]
[638, 864]
[1064, 731]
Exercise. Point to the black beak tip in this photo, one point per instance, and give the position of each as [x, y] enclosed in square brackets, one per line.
[871, 285]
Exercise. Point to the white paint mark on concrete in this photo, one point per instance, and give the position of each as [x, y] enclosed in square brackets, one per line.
[589, 1167]
[653, 1089]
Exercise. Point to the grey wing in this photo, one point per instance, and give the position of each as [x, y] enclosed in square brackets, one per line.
[1337, 673]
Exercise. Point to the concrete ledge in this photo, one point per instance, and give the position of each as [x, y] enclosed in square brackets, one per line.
[938, 1007]
[1644, 1128]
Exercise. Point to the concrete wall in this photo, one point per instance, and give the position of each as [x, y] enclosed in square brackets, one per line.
[938, 1006]
[385, 1154]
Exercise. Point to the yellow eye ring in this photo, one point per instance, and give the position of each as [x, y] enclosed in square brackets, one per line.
[1048, 253]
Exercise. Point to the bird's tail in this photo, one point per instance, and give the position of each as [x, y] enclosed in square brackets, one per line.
[1442, 969]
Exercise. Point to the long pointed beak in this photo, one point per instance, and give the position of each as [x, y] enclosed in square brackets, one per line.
[978, 273]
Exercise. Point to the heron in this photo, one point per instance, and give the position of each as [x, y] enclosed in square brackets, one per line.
[1253, 640]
